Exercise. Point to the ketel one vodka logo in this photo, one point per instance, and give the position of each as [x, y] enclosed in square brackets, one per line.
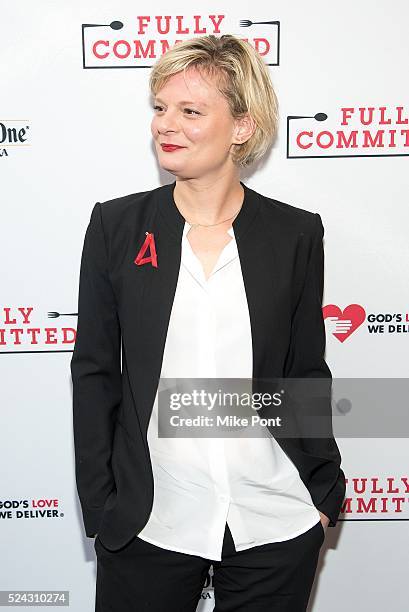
[13, 135]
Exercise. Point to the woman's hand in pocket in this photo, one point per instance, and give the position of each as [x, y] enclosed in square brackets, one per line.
[324, 521]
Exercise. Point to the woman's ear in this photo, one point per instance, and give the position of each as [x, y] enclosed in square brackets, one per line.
[243, 129]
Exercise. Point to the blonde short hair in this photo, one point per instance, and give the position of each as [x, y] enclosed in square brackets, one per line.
[241, 76]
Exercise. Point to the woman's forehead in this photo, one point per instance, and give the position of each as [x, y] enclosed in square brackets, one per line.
[191, 88]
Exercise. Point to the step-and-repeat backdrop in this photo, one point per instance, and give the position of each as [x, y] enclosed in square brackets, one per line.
[75, 129]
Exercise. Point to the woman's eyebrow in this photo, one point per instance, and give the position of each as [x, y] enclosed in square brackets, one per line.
[186, 102]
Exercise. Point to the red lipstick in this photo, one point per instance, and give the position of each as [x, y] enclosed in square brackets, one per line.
[171, 147]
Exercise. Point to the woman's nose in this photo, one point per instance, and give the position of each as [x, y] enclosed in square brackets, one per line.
[166, 122]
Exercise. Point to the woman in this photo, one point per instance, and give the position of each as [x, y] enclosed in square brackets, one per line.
[204, 277]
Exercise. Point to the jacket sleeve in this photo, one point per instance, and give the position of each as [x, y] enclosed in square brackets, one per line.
[96, 376]
[320, 455]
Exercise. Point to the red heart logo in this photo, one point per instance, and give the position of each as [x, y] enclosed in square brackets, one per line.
[354, 313]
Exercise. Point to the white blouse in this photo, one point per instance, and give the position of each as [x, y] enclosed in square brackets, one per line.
[202, 483]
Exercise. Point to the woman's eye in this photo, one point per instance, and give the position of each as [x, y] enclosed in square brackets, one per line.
[189, 110]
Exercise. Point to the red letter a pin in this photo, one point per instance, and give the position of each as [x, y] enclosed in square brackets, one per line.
[149, 241]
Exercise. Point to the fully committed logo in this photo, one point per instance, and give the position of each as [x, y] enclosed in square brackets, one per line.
[374, 497]
[23, 329]
[145, 38]
[346, 131]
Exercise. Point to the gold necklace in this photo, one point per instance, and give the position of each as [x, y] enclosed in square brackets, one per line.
[213, 224]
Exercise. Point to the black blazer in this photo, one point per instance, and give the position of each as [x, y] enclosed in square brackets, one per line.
[123, 316]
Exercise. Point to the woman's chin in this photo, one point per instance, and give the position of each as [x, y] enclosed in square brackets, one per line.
[173, 168]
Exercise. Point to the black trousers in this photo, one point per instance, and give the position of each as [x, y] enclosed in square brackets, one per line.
[275, 577]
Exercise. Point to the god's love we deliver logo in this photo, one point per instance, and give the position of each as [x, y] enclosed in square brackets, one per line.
[341, 324]
[41, 508]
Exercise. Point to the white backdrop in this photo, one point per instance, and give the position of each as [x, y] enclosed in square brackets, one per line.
[72, 135]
